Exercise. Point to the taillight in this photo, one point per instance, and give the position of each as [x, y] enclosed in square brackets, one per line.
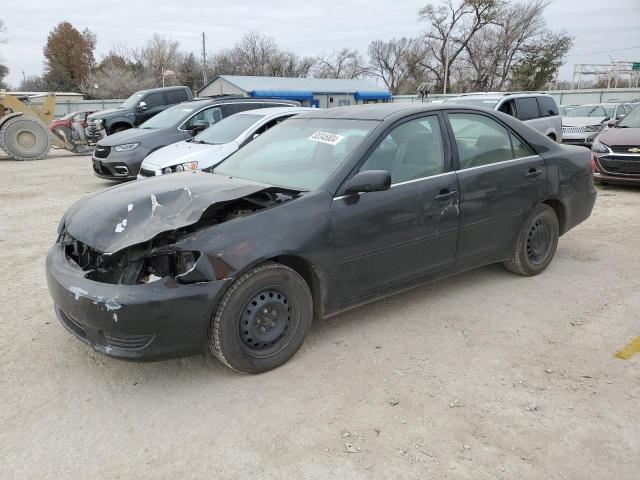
[593, 164]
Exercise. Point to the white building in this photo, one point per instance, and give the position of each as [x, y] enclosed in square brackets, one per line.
[312, 92]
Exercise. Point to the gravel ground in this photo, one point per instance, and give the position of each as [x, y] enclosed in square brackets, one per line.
[485, 375]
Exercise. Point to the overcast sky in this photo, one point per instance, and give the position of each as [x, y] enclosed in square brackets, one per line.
[304, 27]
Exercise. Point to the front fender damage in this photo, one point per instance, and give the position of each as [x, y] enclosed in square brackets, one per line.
[143, 241]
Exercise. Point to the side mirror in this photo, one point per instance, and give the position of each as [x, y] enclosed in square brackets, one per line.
[611, 123]
[142, 106]
[197, 127]
[369, 181]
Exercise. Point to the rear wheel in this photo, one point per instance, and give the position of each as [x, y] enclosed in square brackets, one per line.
[262, 320]
[25, 138]
[536, 243]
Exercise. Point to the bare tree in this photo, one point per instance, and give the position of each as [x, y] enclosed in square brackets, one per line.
[343, 63]
[160, 53]
[491, 53]
[451, 26]
[392, 61]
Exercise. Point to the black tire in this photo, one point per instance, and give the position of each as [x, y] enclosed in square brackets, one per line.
[262, 320]
[25, 138]
[536, 243]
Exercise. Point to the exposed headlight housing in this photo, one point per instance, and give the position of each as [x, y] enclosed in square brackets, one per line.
[126, 147]
[599, 147]
[181, 167]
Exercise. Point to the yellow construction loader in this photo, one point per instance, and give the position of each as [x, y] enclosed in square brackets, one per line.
[24, 129]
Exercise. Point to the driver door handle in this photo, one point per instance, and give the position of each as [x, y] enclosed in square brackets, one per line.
[446, 194]
[533, 173]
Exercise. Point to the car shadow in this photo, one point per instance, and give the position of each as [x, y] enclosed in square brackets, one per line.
[202, 368]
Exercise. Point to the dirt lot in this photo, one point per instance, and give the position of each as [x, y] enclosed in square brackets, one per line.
[485, 375]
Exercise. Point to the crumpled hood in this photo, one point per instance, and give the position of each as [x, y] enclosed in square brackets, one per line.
[182, 152]
[582, 121]
[136, 212]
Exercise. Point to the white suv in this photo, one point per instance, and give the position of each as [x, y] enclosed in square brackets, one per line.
[538, 110]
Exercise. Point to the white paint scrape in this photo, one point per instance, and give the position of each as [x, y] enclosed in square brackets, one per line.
[79, 292]
[154, 203]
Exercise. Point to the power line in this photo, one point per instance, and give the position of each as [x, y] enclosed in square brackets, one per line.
[603, 51]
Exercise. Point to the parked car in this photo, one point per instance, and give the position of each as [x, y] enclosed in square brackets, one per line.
[616, 152]
[71, 127]
[79, 118]
[328, 210]
[119, 156]
[537, 110]
[135, 110]
[216, 143]
[581, 124]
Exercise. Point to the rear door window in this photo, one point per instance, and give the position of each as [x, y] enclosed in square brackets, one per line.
[231, 108]
[481, 140]
[527, 108]
[176, 96]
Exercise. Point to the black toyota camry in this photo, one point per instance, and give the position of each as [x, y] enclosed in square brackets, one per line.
[326, 211]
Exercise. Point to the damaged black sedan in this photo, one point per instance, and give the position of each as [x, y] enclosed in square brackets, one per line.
[324, 212]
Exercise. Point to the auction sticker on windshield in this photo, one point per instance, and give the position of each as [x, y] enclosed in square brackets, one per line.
[326, 137]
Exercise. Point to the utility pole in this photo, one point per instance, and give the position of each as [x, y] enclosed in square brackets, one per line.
[204, 59]
[24, 79]
[446, 74]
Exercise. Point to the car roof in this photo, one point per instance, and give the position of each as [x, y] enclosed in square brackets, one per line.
[272, 111]
[374, 111]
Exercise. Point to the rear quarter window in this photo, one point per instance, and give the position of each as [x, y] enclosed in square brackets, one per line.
[548, 107]
[527, 108]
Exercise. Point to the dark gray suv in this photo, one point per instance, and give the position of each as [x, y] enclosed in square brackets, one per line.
[135, 110]
[119, 156]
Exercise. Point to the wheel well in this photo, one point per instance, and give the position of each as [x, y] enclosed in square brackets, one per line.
[310, 275]
[119, 125]
[560, 213]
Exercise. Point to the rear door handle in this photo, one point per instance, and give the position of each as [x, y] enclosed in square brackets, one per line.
[445, 194]
[533, 173]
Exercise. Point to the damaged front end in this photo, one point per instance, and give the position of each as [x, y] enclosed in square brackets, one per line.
[159, 258]
[138, 281]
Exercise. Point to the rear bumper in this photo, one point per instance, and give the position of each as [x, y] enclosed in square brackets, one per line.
[154, 321]
[626, 180]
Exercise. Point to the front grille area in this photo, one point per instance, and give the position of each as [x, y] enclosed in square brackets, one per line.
[574, 129]
[128, 342]
[147, 173]
[101, 152]
[625, 149]
[620, 166]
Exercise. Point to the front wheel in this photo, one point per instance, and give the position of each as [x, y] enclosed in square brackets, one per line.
[262, 320]
[536, 243]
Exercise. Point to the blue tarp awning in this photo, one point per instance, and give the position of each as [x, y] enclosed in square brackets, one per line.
[373, 95]
[285, 94]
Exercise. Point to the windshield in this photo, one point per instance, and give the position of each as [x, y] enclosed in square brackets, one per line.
[590, 111]
[299, 154]
[170, 117]
[227, 130]
[474, 101]
[132, 101]
[632, 120]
